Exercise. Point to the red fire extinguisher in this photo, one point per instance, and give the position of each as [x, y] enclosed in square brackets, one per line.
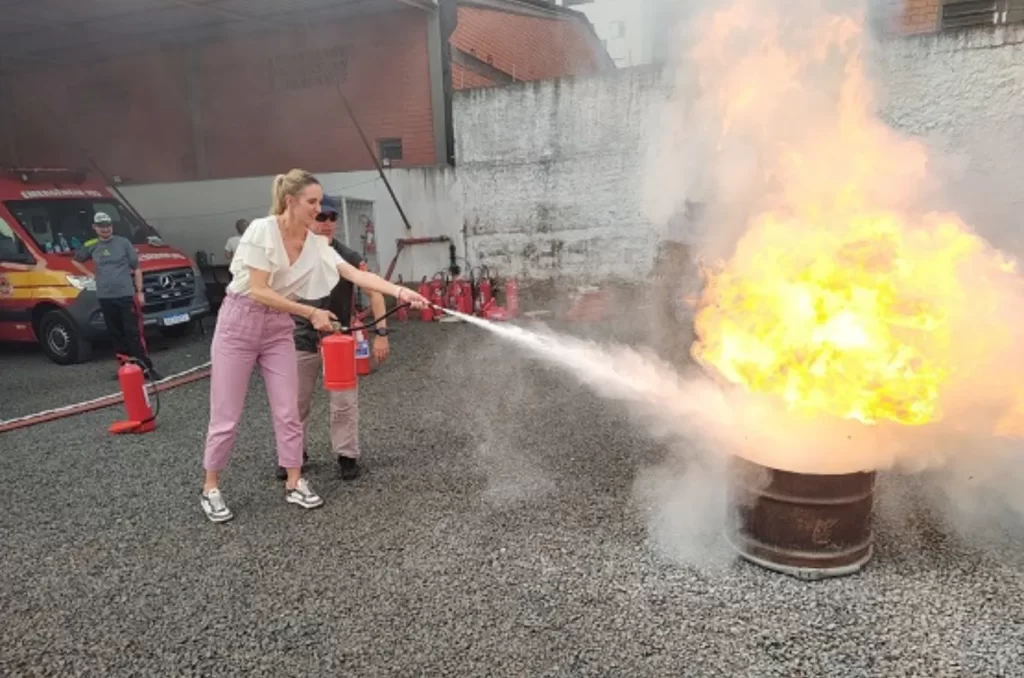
[338, 352]
[426, 313]
[465, 300]
[141, 418]
[362, 344]
[451, 294]
[458, 297]
[512, 297]
[403, 311]
[485, 293]
[437, 295]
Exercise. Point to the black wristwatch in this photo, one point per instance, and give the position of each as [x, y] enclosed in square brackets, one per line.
[381, 331]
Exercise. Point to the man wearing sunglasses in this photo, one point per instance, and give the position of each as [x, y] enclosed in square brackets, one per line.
[344, 405]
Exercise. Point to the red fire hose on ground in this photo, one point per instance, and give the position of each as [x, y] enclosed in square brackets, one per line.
[174, 381]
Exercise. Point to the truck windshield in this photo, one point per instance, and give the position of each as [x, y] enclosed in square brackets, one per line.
[60, 224]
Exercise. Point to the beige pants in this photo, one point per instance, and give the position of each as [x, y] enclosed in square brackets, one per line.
[344, 417]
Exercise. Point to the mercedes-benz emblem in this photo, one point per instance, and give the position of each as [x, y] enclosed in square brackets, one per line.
[166, 282]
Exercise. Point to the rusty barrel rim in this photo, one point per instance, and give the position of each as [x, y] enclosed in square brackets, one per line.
[803, 572]
[809, 526]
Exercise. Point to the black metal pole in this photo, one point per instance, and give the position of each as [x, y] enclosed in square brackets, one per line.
[369, 149]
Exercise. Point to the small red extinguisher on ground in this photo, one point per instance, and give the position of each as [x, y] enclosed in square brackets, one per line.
[437, 296]
[451, 294]
[338, 353]
[362, 342]
[512, 297]
[136, 401]
[485, 293]
[465, 300]
[426, 313]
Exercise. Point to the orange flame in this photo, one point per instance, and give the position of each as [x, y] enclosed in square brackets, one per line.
[838, 300]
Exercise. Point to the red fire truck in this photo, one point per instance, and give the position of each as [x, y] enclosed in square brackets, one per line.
[45, 215]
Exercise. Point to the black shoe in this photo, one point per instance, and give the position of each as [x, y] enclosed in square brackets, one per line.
[282, 472]
[348, 468]
[154, 375]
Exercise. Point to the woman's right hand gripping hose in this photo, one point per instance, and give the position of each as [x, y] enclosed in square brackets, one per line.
[406, 296]
[321, 320]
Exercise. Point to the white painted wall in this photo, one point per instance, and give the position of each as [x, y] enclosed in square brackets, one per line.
[552, 173]
[635, 32]
[624, 27]
[200, 215]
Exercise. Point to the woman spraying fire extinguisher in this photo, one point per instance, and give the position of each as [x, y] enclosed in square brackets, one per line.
[279, 260]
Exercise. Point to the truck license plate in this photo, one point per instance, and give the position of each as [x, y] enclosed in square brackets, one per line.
[175, 319]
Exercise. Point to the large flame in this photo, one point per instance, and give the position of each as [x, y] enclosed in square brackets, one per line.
[855, 321]
[840, 299]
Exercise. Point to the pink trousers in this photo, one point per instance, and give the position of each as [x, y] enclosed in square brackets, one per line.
[248, 333]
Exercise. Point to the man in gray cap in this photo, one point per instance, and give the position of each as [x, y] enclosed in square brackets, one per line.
[344, 405]
[118, 289]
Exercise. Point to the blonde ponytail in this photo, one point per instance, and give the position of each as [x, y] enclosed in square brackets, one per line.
[292, 183]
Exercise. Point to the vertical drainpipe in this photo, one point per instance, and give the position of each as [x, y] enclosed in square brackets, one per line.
[440, 26]
[437, 68]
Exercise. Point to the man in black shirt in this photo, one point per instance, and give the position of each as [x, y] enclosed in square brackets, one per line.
[344, 406]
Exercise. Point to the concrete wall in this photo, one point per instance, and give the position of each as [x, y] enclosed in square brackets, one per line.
[552, 173]
[964, 94]
[200, 215]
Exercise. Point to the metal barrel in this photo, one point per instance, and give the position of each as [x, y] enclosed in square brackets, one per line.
[808, 526]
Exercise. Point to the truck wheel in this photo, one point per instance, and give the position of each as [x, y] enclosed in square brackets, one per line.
[61, 340]
[178, 331]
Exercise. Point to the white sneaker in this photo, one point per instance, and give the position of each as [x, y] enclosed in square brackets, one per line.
[303, 495]
[214, 507]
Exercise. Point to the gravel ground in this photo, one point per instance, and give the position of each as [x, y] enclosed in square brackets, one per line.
[506, 526]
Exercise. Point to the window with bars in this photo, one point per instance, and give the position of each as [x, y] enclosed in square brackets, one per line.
[389, 150]
[970, 13]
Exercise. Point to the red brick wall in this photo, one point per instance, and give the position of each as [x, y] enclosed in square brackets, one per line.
[132, 114]
[910, 17]
[129, 115]
[252, 129]
[529, 47]
[920, 16]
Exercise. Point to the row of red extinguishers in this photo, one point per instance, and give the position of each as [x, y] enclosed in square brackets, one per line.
[473, 296]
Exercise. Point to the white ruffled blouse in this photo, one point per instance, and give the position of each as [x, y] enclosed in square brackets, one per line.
[313, 275]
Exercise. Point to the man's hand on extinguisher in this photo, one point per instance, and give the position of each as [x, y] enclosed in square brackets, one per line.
[141, 298]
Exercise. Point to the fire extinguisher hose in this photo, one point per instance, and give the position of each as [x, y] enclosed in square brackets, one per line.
[348, 330]
[181, 379]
